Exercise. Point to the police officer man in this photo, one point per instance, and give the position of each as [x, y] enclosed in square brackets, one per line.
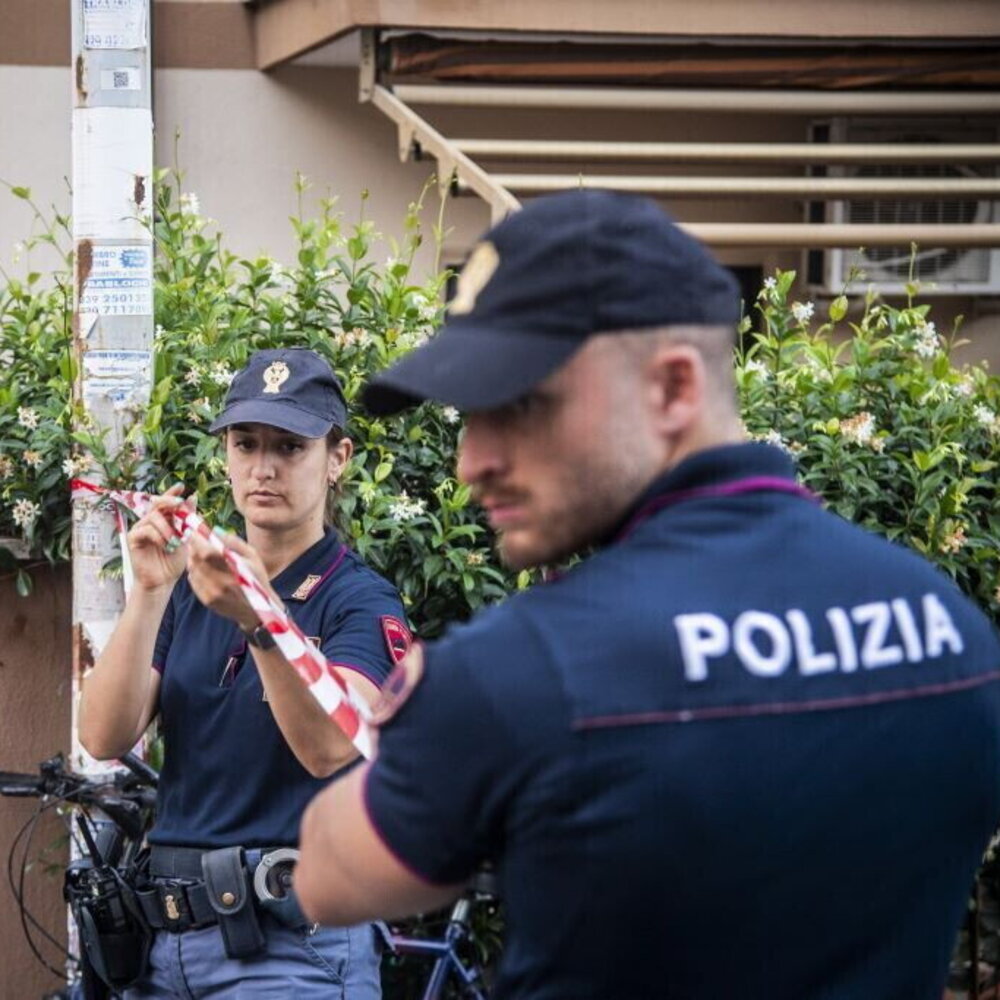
[743, 747]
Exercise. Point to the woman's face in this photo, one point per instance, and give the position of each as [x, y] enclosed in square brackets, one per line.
[279, 479]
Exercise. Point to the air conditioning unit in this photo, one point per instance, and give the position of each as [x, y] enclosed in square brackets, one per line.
[940, 270]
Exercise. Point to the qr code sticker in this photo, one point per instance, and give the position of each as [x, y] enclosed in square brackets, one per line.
[120, 79]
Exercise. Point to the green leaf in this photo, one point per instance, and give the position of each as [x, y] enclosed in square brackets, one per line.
[23, 583]
[838, 308]
[21, 192]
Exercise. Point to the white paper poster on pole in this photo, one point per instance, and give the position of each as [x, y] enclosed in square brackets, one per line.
[112, 173]
[96, 596]
[123, 377]
[119, 282]
[114, 24]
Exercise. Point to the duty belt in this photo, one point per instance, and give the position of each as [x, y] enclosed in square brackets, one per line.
[180, 899]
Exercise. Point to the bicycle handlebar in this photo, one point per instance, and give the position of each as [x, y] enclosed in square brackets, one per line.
[124, 797]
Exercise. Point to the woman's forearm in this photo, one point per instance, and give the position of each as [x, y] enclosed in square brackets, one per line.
[119, 693]
[315, 739]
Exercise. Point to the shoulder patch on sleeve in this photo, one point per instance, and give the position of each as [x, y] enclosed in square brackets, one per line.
[397, 637]
[398, 686]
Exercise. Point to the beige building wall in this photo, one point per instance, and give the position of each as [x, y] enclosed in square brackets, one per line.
[243, 135]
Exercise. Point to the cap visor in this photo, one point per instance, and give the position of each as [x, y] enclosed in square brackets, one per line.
[471, 370]
[278, 413]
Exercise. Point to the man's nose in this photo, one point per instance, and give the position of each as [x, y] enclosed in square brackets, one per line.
[482, 453]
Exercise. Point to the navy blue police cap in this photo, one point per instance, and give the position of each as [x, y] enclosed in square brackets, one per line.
[564, 268]
[292, 388]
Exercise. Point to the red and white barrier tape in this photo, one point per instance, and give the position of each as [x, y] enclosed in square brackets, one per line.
[346, 708]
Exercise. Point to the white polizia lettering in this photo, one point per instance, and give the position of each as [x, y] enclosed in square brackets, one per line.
[872, 635]
[701, 636]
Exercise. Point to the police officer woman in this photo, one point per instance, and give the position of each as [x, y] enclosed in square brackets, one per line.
[245, 744]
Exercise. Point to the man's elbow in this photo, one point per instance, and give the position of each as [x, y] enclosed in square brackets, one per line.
[312, 871]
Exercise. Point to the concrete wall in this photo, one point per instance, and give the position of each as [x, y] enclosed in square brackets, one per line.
[35, 684]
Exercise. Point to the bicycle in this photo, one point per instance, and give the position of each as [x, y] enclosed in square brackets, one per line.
[110, 844]
[447, 950]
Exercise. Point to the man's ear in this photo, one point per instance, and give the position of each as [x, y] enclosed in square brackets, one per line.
[676, 387]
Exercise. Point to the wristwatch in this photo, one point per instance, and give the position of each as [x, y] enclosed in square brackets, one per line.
[259, 637]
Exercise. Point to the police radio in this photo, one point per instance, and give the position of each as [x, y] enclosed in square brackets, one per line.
[114, 935]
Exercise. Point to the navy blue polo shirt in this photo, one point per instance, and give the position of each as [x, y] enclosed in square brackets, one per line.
[746, 748]
[228, 775]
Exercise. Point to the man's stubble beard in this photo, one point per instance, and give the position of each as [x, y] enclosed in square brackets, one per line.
[591, 503]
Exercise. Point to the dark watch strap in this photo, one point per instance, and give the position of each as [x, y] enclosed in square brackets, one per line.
[259, 637]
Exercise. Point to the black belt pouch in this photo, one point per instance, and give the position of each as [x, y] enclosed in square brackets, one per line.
[231, 896]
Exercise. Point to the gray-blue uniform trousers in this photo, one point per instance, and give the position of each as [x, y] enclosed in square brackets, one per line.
[744, 749]
[229, 778]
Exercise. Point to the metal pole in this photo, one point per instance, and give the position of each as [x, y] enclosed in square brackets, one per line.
[715, 188]
[800, 235]
[770, 153]
[768, 102]
[113, 286]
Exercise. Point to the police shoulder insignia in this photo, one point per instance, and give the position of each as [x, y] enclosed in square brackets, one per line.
[306, 587]
[397, 637]
[275, 375]
[398, 686]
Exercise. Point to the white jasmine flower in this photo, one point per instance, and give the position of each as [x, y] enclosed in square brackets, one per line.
[75, 465]
[412, 338]
[803, 312]
[426, 310]
[24, 513]
[352, 338]
[984, 415]
[774, 438]
[953, 541]
[193, 376]
[7, 357]
[33, 458]
[450, 415]
[965, 388]
[221, 373]
[404, 509]
[860, 428]
[757, 367]
[928, 342]
[27, 417]
[194, 410]
[190, 204]
[770, 284]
